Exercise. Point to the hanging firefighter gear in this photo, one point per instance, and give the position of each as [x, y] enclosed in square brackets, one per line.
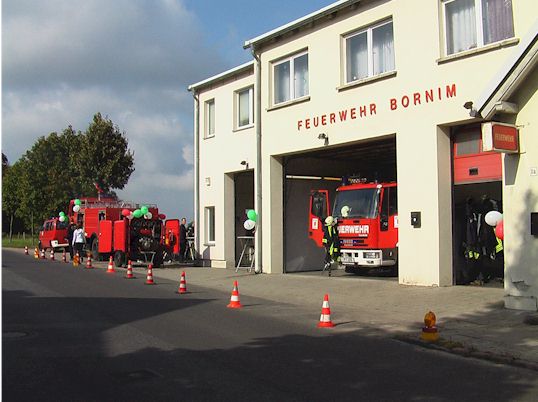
[481, 245]
[331, 241]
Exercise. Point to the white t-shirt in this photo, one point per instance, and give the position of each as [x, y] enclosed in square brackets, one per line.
[78, 236]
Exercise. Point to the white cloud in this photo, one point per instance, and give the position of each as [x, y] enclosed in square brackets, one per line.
[188, 154]
[64, 61]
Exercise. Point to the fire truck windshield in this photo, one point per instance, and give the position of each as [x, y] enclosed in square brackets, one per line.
[360, 203]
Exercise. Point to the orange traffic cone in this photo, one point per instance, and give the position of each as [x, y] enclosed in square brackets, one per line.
[52, 254]
[76, 260]
[149, 277]
[89, 262]
[182, 284]
[110, 269]
[36, 253]
[129, 271]
[234, 300]
[25, 250]
[43, 256]
[325, 319]
[64, 256]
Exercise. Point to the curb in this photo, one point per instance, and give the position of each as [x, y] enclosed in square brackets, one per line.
[457, 348]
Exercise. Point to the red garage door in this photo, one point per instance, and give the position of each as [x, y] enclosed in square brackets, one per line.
[471, 164]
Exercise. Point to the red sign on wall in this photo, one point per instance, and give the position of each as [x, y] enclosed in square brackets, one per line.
[500, 137]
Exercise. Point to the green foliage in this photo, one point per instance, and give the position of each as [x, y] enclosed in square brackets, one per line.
[104, 157]
[64, 166]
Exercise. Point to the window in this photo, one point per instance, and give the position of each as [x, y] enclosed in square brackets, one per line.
[290, 78]
[319, 205]
[468, 143]
[245, 107]
[210, 118]
[210, 224]
[474, 23]
[369, 52]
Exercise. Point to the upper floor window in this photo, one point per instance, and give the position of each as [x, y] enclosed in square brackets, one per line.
[290, 78]
[369, 52]
[210, 118]
[244, 107]
[473, 23]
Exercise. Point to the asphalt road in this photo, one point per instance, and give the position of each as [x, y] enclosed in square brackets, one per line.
[71, 334]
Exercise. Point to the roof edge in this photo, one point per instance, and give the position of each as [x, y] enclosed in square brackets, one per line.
[512, 72]
[300, 22]
[222, 76]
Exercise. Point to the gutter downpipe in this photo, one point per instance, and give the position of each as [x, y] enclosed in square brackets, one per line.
[196, 173]
[257, 118]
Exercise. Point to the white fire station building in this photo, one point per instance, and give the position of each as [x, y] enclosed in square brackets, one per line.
[410, 91]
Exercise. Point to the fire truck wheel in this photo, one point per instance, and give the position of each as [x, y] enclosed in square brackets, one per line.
[40, 245]
[95, 249]
[119, 258]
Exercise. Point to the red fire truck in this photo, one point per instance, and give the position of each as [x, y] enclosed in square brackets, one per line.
[110, 233]
[367, 221]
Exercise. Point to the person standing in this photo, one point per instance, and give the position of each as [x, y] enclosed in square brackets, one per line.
[183, 240]
[331, 241]
[70, 231]
[78, 241]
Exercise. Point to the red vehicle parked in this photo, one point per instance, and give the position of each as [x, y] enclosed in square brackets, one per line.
[367, 216]
[53, 235]
[110, 233]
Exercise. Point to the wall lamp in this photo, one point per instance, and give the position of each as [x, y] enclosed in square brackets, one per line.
[469, 106]
[244, 163]
[324, 137]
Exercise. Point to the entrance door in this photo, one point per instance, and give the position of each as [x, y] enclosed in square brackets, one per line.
[477, 189]
[244, 201]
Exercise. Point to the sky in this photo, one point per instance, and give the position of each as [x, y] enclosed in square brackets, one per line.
[131, 60]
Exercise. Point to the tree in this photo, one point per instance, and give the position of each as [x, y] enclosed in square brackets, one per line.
[11, 176]
[5, 164]
[104, 157]
[64, 166]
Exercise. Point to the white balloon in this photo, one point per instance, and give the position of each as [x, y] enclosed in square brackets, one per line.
[249, 224]
[76, 208]
[131, 216]
[62, 218]
[149, 215]
[492, 218]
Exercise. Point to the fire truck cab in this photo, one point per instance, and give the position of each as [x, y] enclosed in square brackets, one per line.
[53, 235]
[367, 222]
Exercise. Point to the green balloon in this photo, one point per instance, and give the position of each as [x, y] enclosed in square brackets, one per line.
[252, 215]
[137, 213]
[62, 213]
[77, 202]
[144, 210]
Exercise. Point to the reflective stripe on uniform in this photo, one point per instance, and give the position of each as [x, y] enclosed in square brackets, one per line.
[499, 246]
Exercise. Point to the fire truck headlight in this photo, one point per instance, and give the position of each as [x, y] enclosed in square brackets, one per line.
[372, 254]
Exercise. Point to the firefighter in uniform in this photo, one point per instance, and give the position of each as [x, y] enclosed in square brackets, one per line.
[331, 243]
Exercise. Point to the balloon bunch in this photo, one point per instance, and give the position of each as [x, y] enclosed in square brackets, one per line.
[250, 223]
[495, 219]
[137, 213]
[76, 207]
[62, 216]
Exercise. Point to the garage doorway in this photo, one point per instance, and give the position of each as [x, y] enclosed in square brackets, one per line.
[477, 189]
[244, 200]
[324, 169]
